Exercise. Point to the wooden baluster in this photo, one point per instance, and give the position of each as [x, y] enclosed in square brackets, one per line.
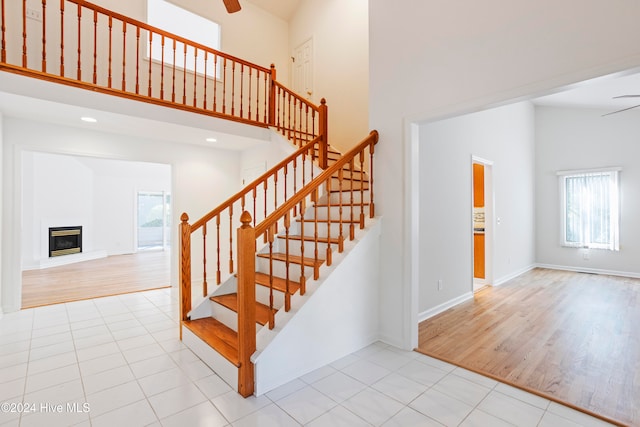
[184, 75]
[340, 209]
[195, 76]
[24, 33]
[329, 255]
[79, 73]
[206, 59]
[124, 55]
[249, 101]
[162, 38]
[323, 131]
[255, 196]
[150, 61]
[95, 47]
[215, 85]
[218, 273]
[352, 232]
[275, 195]
[314, 200]
[285, 174]
[371, 204]
[295, 183]
[173, 71]
[270, 237]
[137, 60]
[233, 88]
[224, 85]
[231, 239]
[241, 90]
[246, 305]
[265, 185]
[204, 260]
[185, 269]
[44, 36]
[287, 292]
[270, 96]
[303, 280]
[361, 188]
[61, 38]
[111, 49]
[3, 52]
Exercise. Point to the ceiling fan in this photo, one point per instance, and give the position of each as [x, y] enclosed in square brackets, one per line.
[624, 109]
[232, 5]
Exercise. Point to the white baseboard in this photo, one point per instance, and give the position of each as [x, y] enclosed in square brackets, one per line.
[632, 274]
[444, 306]
[505, 279]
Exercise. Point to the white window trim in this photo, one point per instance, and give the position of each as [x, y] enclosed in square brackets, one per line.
[615, 244]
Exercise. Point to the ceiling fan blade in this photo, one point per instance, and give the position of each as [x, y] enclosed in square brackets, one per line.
[232, 5]
[626, 96]
[620, 111]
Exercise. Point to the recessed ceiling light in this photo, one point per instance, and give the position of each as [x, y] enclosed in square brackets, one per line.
[88, 119]
[211, 140]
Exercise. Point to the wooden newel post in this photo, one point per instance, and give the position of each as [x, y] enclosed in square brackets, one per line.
[324, 133]
[246, 304]
[272, 97]
[185, 269]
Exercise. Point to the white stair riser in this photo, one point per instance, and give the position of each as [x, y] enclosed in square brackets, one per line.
[262, 296]
[280, 270]
[325, 212]
[226, 316]
[348, 184]
[347, 196]
[295, 248]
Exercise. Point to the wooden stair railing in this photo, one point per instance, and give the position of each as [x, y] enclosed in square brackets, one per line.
[261, 197]
[355, 161]
[81, 44]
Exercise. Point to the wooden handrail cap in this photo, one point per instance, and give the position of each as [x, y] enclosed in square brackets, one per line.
[245, 219]
[184, 217]
[323, 101]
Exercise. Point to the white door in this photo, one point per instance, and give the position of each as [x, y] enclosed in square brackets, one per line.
[303, 69]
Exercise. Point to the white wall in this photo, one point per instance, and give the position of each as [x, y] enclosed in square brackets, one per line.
[568, 139]
[339, 29]
[504, 136]
[431, 59]
[201, 177]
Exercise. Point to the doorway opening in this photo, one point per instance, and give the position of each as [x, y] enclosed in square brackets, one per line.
[482, 218]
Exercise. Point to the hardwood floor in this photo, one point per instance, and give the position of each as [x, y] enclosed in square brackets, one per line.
[97, 278]
[571, 337]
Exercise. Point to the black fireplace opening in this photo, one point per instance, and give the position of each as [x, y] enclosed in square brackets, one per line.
[65, 240]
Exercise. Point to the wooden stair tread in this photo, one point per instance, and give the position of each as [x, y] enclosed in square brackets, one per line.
[295, 259]
[279, 283]
[231, 302]
[217, 335]
[310, 238]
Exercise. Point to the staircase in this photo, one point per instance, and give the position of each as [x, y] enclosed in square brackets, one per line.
[283, 254]
[270, 249]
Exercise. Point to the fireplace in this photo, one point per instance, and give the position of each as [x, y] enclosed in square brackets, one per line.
[65, 240]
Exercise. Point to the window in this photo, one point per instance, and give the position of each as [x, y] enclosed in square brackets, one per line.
[590, 208]
[168, 17]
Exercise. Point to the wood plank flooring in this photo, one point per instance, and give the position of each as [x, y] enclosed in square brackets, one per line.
[571, 337]
[96, 278]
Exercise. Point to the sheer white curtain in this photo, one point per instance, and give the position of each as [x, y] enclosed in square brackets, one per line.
[590, 209]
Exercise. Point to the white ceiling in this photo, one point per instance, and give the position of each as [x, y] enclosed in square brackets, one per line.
[597, 93]
[283, 9]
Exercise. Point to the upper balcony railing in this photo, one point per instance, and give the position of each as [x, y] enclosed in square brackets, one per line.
[84, 45]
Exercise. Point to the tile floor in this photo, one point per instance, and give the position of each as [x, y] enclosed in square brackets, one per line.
[117, 361]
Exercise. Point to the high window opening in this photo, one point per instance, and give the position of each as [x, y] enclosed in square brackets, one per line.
[590, 204]
[174, 19]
